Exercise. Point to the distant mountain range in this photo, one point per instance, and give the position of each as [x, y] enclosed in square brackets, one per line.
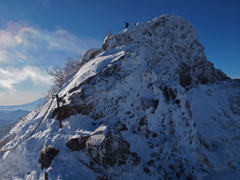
[7, 117]
[28, 107]
[10, 114]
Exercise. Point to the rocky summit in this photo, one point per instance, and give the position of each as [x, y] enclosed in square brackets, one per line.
[146, 105]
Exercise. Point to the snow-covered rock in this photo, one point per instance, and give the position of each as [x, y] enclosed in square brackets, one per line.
[107, 147]
[150, 91]
[171, 49]
[90, 54]
[77, 144]
[47, 155]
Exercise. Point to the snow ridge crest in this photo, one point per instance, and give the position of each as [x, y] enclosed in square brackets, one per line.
[166, 29]
[171, 47]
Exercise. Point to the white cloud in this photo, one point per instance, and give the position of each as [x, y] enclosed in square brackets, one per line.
[24, 49]
[22, 85]
[35, 46]
[11, 76]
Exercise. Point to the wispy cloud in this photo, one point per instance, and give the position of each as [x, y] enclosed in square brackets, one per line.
[22, 43]
[10, 76]
[26, 49]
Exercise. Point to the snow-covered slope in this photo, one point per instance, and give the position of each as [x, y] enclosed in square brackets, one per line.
[150, 106]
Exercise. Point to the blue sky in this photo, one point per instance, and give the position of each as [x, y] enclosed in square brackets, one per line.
[35, 34]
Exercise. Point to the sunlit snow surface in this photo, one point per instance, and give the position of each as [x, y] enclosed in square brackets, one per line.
[195, 132]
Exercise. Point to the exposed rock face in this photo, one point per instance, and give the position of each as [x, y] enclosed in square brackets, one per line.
[90, 54]
[47, 155]
[107, 147]
[77, 144]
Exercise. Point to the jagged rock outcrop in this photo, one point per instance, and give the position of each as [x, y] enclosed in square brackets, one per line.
[47, 155]
[175, 50]
[106, 146]
[164, 49]
[77, 144]
[90, 54]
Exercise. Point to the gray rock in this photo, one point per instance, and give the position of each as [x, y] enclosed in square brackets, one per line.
[77, 144]
[47, 155]
[107, 147]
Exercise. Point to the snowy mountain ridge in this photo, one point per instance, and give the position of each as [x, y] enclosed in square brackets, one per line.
[147, 105]
[27, 107]
[8, 117]
[10, 114]
[175, 52]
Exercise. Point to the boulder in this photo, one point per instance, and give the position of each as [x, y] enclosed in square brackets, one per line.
[106, 146]
[47, 155]
[77, 144]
